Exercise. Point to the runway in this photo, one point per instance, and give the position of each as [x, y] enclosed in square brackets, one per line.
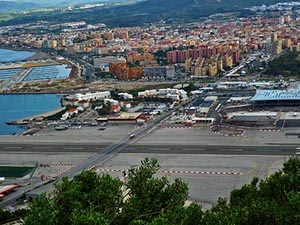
[212, 149]
[33, 148]
[51, 148]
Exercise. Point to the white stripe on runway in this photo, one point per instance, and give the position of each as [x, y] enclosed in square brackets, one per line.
[155, 149]
[231, 149]
[73, 148]
[13, 147]
[41, 147]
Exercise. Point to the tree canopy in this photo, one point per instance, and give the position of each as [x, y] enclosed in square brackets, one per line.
[145, 198]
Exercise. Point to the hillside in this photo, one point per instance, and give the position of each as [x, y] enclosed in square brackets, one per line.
[32, 4]
[9, 6]
[47, 3]
[148, 11]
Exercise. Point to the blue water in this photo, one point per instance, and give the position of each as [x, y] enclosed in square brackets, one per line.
[12, 56]
[13, 107]
[48, 73]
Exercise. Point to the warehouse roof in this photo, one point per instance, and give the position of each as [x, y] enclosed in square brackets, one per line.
[271, 95]
[252, 114]
[126, 116]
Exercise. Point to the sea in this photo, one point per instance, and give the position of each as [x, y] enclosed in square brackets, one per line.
[12, 56]
[19, 106]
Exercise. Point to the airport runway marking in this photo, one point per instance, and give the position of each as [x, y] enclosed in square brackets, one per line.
[64, 171]
[231, 149]
[73, 148]
[170, 127]
[179, 172]
[57, 164]
[129, 148]
[269, 130]
[162, 149]
[41, 147]
[268, 150]
[13, 147]
[194, 149]
[201, 172]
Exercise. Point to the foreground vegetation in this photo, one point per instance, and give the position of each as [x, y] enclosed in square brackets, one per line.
[146, 199]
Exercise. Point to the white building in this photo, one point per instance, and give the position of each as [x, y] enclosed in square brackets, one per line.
[183, 95]
[111, 101]
[125, 96]
[168, 91]
[148, 93]
[74, 100]
[174, 94]
[93, 96]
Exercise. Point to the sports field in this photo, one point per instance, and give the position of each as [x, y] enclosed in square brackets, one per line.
[15, 171]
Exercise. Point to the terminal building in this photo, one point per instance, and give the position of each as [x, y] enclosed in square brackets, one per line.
[264, 98]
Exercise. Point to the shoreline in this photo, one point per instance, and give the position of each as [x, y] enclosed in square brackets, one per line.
[18, 49]
[36, 93]
[23, 121]
[34, 117]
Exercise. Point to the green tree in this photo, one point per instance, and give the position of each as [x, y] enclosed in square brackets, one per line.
[87, 197]
[93, 199]
[42, 211]
[274, 200]
[150, 196]
[147, 199]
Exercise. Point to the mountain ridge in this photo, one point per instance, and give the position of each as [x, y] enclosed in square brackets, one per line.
[149, 11]
[12, 5]
[8, 5]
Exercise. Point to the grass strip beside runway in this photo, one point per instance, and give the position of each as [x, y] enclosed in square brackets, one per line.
[15, 171]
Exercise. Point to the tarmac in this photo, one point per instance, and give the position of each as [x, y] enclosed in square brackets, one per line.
[83, 135]
[204, 136]
[211, 164]
[217, 175]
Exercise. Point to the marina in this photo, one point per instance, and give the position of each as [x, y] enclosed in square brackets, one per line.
[24, 70]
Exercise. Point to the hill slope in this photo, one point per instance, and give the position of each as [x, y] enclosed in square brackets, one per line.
[149, 11]
[9, 6]
[64, 2]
